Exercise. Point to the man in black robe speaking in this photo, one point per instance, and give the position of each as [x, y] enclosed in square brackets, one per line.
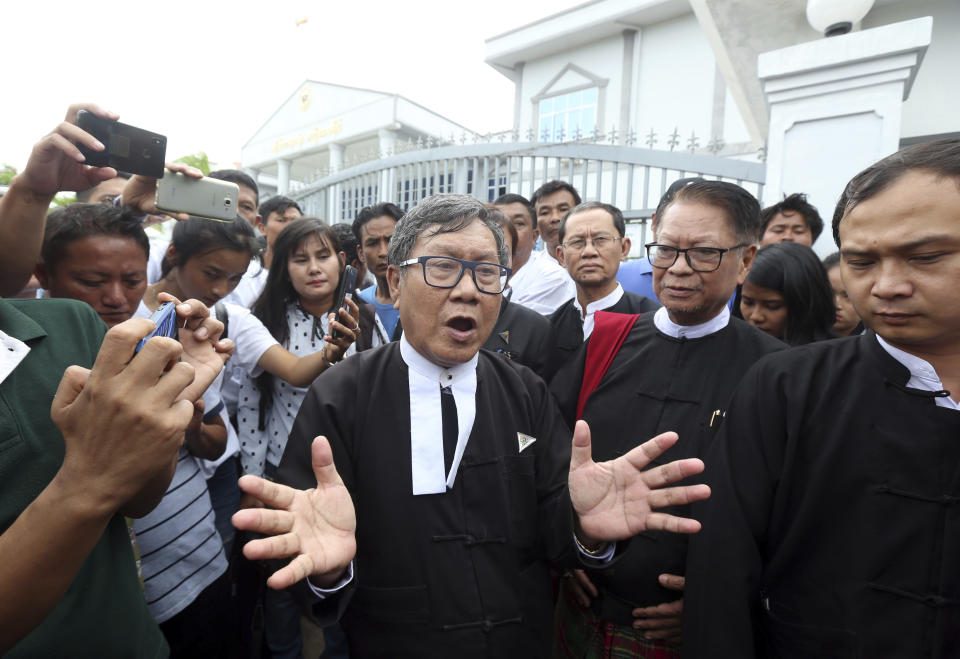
[675, 370]
[834, 528]
[457, 464]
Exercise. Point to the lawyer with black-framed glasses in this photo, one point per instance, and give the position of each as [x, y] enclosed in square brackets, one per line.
[446, 272]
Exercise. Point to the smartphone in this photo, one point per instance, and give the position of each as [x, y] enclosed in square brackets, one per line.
[128, 149]
[166, 319]
[348, 280]
[204, 197]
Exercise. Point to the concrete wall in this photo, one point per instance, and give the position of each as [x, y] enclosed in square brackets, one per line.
[676, 81]
[932, 106]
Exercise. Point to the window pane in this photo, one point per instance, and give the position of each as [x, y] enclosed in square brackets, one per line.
[559, 103]
[544, 126]
[559, 127]
[590, 96]
[575, 99]
[546, 106]
[573, 121]
[588, 117]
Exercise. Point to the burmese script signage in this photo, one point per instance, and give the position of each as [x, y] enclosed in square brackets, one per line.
[309, 138]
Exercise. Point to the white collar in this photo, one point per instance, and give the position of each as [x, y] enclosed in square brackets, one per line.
[426, 424]
[605, 302]
[597, 305]
[445, 377]
[922, 374]
[662, 320]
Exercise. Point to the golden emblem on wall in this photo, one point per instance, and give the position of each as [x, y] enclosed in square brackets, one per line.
[305, 97]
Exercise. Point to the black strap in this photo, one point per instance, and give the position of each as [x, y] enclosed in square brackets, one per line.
[448, 412]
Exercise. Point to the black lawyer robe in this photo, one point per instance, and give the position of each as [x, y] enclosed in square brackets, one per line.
[458, 574]
[524, 336]
[658, 383]
[567, 323]
[834, 525]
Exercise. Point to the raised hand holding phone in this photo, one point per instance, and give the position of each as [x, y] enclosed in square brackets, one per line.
[208, 198]
[127, 148]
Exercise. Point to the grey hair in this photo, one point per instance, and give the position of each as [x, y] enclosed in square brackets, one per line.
[441, 213]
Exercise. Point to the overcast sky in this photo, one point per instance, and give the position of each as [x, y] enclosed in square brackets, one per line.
[209, 73]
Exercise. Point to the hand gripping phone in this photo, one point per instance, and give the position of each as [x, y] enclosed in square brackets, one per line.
[166, 319]
[208, 198]
[128, 148]
[348, 280]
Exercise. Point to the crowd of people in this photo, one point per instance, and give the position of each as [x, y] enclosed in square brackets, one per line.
[510, 440]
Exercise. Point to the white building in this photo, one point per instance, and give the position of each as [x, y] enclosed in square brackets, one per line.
[620, 97]
[640, 66]
[323, 128]
[684, 75]
[692, 66]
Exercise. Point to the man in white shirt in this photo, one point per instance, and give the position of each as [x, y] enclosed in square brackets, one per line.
[551, 201]
[538, 282]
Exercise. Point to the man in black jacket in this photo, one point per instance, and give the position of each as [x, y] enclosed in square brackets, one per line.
[593, 242]
[835, 522]
[675, 370]
[457, 465]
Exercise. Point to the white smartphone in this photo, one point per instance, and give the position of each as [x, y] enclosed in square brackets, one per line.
[209, 198]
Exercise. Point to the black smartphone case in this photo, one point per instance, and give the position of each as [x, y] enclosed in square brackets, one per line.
[128, 148]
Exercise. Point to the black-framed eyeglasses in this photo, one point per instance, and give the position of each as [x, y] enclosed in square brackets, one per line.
[700, 259]
[446, 272]
[599, 243]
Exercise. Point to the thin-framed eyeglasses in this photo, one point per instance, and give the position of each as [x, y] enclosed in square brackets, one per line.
[700, 259]
[446, 272]
[599, 243]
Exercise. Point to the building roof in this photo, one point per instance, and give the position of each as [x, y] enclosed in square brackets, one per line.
[584, 23]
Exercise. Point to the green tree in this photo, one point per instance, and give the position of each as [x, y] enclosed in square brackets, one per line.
[7, 172]
[63, 199]
[198, 160]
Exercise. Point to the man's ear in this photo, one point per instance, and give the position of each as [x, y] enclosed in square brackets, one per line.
[624, 248]
[261, 225]
[40, 272]
[746, 262]
[559, 253]
[360, 254]
[393, 281]
[171, 255]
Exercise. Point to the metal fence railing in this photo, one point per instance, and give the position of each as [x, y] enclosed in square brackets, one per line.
[633, 179]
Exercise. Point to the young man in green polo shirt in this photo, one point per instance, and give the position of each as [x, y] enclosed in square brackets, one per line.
[88, 433]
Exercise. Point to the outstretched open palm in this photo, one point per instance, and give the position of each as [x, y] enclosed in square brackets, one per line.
[615, 500]
[316, 527]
